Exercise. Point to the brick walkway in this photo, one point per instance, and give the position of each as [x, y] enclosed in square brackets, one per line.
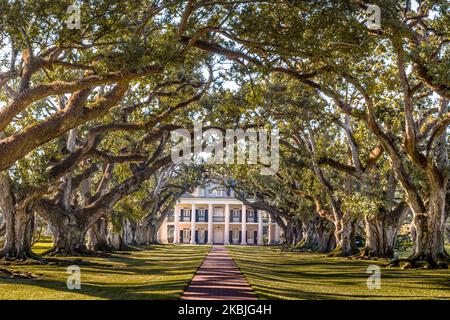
[218, 278]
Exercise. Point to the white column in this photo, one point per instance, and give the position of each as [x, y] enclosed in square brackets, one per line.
[244, 225]
[277, 233]
[193, 224]
[260, 228]
[176, 238]
[227, 224]
[270, 232]
[210, 223]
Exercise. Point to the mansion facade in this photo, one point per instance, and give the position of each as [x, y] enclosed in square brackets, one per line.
[214, 216]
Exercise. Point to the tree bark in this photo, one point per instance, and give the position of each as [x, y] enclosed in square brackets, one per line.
[326, 241]
[19, 223]
[69, 230]
[116, 240]
[98, 236]
[344, 233]
[430, 230]
[293, 232]
[153, 234]
[381, 232]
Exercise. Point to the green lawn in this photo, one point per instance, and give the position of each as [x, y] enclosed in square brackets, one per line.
[43, 245]
[159, 272]
[292, 275]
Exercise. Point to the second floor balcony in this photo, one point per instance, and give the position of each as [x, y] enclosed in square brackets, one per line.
[185, 218]
[218, 219]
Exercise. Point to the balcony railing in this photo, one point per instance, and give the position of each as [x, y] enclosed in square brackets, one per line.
[218, 219]
[185, 219]
[202, 219]
[170, 219]
[235, 219]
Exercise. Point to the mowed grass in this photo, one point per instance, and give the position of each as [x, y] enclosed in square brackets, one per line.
[158, 272]
[43, 245]
[274, 274]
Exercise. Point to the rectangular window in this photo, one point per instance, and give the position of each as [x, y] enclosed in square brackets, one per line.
[235, 235]
[219, 193]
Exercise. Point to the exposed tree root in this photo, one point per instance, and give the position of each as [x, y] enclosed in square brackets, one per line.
[365, 257]
[421, 262]
[366, 254]
[49, 261]
[105, 248]
[29, 258]
[302, 247]
[125, 247]
[61, 252]
[13, 274]
[338, 252]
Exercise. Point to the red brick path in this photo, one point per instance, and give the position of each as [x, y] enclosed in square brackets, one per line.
[218, 278]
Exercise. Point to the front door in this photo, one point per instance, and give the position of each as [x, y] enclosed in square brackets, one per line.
[201, 236]
[186, 236]
[218, 235]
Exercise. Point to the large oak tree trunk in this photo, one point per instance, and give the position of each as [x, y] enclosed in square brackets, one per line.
[430, 230]
[68, 240]
[19, 223]
[326, 240]
[141, 233]
[98, 236]
[69, 230]
[344, 233]
[289, 235]
[318, 236]
[153, 228]
[381, 232]
[117, 240]
[153, 234]
[19, 226]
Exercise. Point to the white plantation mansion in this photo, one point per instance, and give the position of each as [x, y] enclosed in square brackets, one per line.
[211, 215]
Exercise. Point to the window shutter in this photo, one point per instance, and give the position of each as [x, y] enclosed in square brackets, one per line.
[231, 236]
[206, 215]
[181, 236]
[196, 215]
[240, 237]
[196, 236]
[181, 215]
[206, 236]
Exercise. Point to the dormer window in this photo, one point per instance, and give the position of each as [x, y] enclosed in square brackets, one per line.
[221, 193]
[200, 192]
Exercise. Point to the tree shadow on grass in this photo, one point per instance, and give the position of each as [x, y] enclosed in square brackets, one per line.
[170, 289]
[276, 275]
[161, 273]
